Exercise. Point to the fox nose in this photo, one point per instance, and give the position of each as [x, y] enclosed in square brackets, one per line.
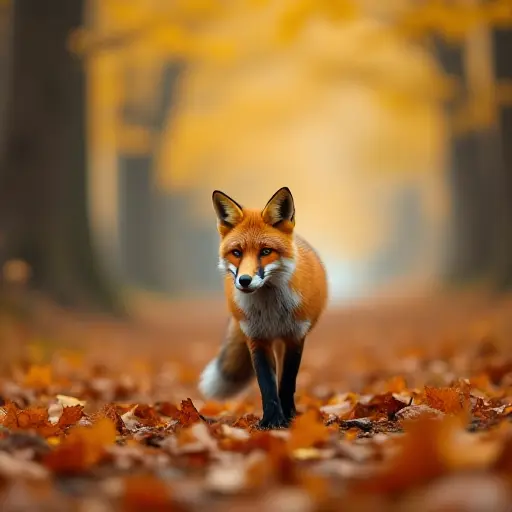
[245, 280]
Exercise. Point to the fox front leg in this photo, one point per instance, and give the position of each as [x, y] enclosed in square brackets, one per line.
[262, 361]
[291, 364]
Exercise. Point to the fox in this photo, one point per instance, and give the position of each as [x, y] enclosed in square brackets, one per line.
[276, 289]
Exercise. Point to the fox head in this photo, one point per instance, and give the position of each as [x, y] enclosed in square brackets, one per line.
[256, 245]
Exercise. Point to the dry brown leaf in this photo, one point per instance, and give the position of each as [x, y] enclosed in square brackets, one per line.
[447, 400]
[109, 411]
[187, 414]
[147, 415]
[34, 418]
[82, 448]
[167, 409]
[70, 416]
[308, 430]
[414, 412]
[247, 421]
[146, 492]
[419, 458]
[380, 406]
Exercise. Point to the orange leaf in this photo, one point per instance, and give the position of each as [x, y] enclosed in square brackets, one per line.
[35, 418]
[38, 376]
[418, 460]
[147, 493]
[82, 448]
[168, 409]
[247, 421]
[308, 430]
[481, 382]
[109, 411]
[187, 415]
[385, 405]
[70, 416]
[147, 415]
[10, 419]
[448, 400]
[212, 409]
[396, 384]
[24, 420]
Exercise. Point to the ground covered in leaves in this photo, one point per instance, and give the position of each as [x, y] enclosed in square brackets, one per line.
[401, 407]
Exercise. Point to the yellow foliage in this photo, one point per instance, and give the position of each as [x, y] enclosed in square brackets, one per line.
[302, 92]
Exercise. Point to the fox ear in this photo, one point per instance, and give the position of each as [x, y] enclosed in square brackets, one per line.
[280, 210]
[229, 212]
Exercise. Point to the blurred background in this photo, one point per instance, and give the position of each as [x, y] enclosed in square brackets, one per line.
[391, 122]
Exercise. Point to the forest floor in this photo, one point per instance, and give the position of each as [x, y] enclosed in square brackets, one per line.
[403, 406]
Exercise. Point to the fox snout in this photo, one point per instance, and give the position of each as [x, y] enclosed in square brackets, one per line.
[247, 283]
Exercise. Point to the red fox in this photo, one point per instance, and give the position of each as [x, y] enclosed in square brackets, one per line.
[276, 290]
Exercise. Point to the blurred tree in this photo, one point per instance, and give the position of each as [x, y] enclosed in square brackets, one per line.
[502, 225]
[142, 230]
[4, 62]
[481, 159]
[43, 185]
[469, 240]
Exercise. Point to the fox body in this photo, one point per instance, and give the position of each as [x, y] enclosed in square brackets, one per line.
[276, 290]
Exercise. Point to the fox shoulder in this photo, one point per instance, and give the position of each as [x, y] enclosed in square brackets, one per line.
[309, 280]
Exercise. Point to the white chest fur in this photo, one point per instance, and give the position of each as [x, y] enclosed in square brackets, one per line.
[269, 313]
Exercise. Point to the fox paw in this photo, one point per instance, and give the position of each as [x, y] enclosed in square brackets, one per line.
[273, 423]
[290, 414]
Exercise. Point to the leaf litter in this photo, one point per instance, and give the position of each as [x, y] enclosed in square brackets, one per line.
[425, 426]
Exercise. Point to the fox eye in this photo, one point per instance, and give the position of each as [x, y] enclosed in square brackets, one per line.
[236, 253]
[266, 251]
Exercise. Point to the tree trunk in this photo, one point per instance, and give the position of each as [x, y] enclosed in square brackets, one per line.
[502, 265]
[478, 197]
[466, 254]
[481, 180]
[143, 230]
[43, 187]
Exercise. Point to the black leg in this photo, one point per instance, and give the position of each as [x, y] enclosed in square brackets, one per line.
[265, 374]
[291, 365]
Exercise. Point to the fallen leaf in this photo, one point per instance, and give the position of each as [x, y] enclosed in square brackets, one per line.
[447, 400]
[418, 459]
[413, 412]
[308, 430]
[212, 409]
[147, 415]
[187, 414]
[70, 416]
[147, 493]
[226, 478]
[109, 411]
[38, 376]
[396, 384]
[34, 418]
[380, 406]
[70, 401]
[82, 448]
